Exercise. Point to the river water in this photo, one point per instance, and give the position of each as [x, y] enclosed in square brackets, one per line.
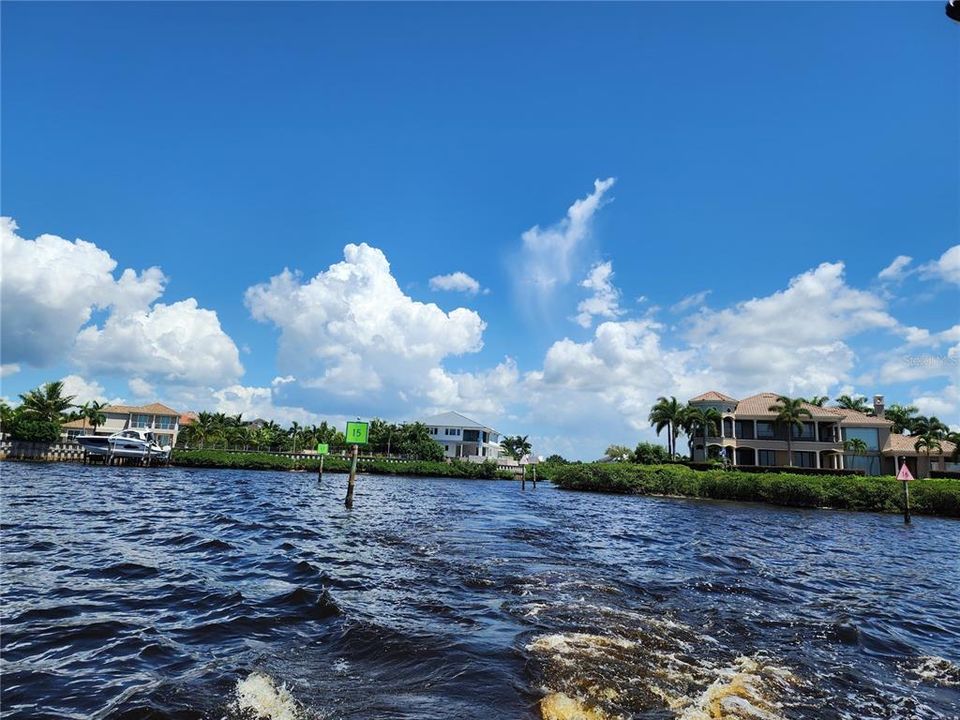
[169, 593]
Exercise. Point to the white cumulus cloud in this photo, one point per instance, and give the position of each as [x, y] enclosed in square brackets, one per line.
[947, 267]
[351, 329]
[795, 340]
[178, 343]
[49, 288]
[455, 282]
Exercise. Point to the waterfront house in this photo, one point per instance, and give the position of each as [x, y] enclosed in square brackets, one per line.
[750, 436]
[162, 421]
[463, 438]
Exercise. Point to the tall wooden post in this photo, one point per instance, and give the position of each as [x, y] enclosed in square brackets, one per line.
[534, 477]
[523, 477]
[348, 502]
[320, 471]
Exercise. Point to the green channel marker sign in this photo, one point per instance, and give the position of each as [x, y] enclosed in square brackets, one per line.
[357, 433]
[323, 449]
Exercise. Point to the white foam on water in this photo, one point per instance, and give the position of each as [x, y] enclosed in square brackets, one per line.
[743, 691]
[259, 695]
[936, 670]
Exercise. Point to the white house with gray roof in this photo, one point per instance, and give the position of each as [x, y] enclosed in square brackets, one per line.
[463, 438]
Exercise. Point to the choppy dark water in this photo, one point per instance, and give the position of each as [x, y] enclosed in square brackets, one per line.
[165, 593]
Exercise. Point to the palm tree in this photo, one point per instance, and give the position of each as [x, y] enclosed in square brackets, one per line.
[858, 403]
[818, 400]
[857, 446]
[667, 414]
[790, 412]
[6, 415]
[46, 402]
[902, 417]
[954, 437]
[294, 433]
[705, 421]
[516, 447]
[929, 426]
[929, 442]
[92, 413]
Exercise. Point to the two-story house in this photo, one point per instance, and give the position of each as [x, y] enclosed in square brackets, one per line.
[162, 421]
[749, 435]
[463, 438]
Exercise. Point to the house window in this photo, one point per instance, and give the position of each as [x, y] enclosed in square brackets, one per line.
[807, 432]
[766, 458]
[165, 422]
[140, 421]
[765, 430]
[870, 436]
[805, 459]
[744, 429]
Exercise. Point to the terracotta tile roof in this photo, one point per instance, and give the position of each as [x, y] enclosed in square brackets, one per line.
[712, 395]
[151, 409]
[77, 425]
[906, 445]
[759, 406]
[855, 418]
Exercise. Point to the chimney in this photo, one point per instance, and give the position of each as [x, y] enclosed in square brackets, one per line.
[878, 405]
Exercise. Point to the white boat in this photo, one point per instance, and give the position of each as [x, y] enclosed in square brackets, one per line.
[126, 443]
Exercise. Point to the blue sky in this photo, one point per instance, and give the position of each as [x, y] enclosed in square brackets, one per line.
[747, 145]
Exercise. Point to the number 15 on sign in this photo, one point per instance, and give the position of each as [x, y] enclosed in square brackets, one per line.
[356, 433]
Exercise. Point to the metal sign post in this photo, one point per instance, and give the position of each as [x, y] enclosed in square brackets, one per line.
[356, 435]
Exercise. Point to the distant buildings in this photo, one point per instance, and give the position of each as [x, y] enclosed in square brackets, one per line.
[162, 421]
[463, 438]
[750, 436]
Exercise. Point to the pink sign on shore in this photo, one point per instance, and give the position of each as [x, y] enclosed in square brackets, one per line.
[904, 473]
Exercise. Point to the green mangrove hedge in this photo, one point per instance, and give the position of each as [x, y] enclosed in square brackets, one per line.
[874, 494]
[335, 464]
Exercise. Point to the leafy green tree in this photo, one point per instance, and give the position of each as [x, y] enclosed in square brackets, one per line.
[650, 454]
[619, 453]
[954, 437]
[902, 416]
[790, 412]
[31, 428]
[46, 402]
[667, 414]
[557, 460]
[858, 403]
[415, 441]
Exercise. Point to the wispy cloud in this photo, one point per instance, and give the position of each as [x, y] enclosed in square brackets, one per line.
[547, 255]
[894, 271]
[691, 301]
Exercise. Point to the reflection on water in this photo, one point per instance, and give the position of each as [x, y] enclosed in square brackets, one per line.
[166, 593]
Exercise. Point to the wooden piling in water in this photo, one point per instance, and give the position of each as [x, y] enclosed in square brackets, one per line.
[348, 501]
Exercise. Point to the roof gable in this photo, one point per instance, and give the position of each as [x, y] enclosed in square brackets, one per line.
[712, 395]
[455, 419]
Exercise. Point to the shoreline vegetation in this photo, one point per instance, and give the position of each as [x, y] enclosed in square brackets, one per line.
[337, 464]
[850, 492]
